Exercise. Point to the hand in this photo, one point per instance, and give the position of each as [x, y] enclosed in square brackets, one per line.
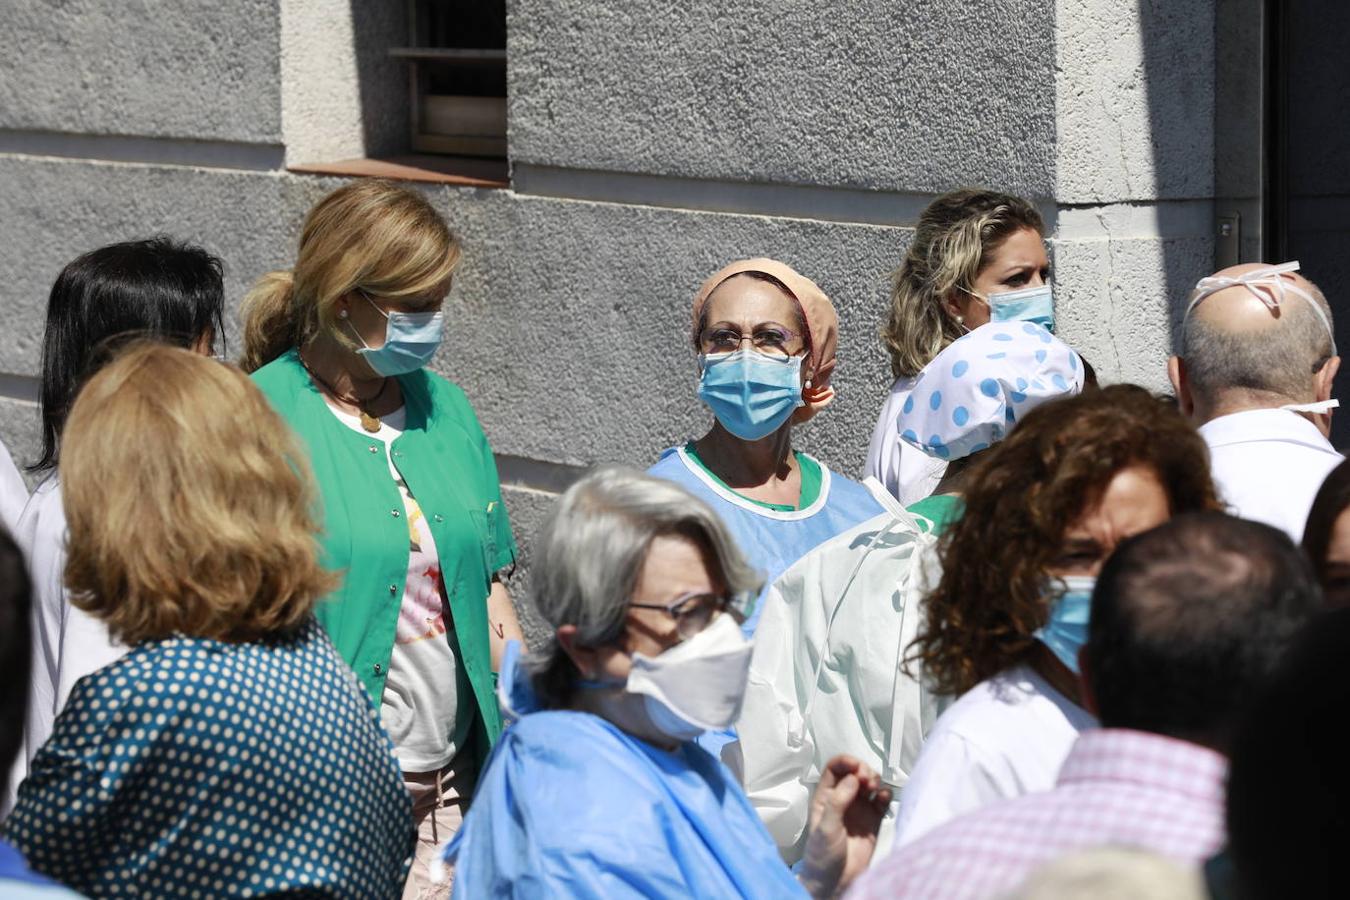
[846, 811]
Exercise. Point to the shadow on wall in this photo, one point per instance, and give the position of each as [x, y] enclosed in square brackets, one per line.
[383, 80]
[1178, 53]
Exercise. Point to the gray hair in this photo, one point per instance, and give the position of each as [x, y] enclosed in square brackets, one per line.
[1280, 361]
[589, 553]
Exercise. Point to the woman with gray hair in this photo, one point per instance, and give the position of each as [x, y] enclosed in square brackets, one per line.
[598, 789]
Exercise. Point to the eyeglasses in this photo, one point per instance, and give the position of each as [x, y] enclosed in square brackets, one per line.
[770, 340]
[694, 612]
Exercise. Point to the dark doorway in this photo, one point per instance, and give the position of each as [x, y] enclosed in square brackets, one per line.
[1307, 197]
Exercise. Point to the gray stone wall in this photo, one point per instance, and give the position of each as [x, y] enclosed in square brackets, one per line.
[649, 146]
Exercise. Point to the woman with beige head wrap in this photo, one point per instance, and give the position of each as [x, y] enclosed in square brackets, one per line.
[765, 337]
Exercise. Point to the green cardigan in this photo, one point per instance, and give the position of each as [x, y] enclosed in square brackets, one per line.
[448, 466]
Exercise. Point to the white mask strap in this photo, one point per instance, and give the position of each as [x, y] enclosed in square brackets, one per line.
[1276, 289]
[1320, 408]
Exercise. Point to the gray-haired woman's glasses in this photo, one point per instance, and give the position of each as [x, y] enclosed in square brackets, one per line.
[694, 612]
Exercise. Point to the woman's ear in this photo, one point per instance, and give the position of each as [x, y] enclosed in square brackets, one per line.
[584, 658]
[954, 305]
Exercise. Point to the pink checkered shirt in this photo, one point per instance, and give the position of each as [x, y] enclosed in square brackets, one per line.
[1117, 787]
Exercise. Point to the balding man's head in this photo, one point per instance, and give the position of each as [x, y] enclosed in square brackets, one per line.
[1258, 342]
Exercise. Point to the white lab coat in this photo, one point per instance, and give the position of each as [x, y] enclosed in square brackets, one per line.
[907, 473]
[13, 491]
[1268, 465]
[68, 643]
[1005, 737]
[826, 676]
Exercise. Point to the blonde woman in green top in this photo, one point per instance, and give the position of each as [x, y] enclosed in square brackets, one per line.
[412, 509]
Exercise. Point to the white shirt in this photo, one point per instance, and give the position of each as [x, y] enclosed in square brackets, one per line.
[68, 643]
[13, 491]
[1268, 465]
[420, 704]
[908, 473]
[1006, 737]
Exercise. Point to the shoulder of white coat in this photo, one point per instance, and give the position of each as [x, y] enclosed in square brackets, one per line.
[878, 548]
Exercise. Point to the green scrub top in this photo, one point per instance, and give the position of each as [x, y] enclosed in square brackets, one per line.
[943, 510]
[448, 466]
[811, 481]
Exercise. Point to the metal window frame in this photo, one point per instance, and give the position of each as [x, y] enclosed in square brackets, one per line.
[482, 120]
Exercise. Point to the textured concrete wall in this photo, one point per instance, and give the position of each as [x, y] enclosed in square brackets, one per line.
[342, 95]
[568, 323]
[1134, 175]
[187, 69]
[1134, 97]
[51, 211]
[917, 96]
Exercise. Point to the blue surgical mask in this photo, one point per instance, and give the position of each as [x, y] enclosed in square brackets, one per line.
[1067, 629]
[410, 341]
[1035, 304]
[750, 393]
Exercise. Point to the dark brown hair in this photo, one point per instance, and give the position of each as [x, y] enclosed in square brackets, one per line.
[1020, 502]
[1332, 499]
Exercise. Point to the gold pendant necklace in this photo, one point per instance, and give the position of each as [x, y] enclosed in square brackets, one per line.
[369, 422]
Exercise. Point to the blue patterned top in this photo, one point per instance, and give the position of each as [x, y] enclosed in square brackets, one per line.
[198, 768]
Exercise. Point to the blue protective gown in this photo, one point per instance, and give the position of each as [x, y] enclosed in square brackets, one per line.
[772, 540]
[570, 806]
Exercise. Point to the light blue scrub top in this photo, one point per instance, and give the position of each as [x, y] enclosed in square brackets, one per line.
[571, 806]
[772, 540]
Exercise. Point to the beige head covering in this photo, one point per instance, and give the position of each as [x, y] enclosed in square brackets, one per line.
[822, 324]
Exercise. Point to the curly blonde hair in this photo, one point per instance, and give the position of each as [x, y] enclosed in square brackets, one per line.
[953, 241]
[190, 506]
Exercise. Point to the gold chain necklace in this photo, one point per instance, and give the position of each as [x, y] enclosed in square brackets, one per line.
[369, 422]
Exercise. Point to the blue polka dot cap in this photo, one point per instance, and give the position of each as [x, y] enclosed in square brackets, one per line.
[975, 390]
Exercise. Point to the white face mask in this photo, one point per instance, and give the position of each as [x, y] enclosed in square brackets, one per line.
[697, 685]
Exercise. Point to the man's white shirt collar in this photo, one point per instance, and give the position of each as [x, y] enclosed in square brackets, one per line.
[1254, 425]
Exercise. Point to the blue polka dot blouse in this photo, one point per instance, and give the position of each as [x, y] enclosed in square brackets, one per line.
[197, 768]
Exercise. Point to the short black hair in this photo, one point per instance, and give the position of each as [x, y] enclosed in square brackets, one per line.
[15, 651]
[1189, 619]
[156, 288]
[1288, 784]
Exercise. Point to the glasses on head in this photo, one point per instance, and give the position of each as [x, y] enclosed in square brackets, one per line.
[769, 339]
[694, 612]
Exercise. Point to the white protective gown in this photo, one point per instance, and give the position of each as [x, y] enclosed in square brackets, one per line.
[827, 675]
